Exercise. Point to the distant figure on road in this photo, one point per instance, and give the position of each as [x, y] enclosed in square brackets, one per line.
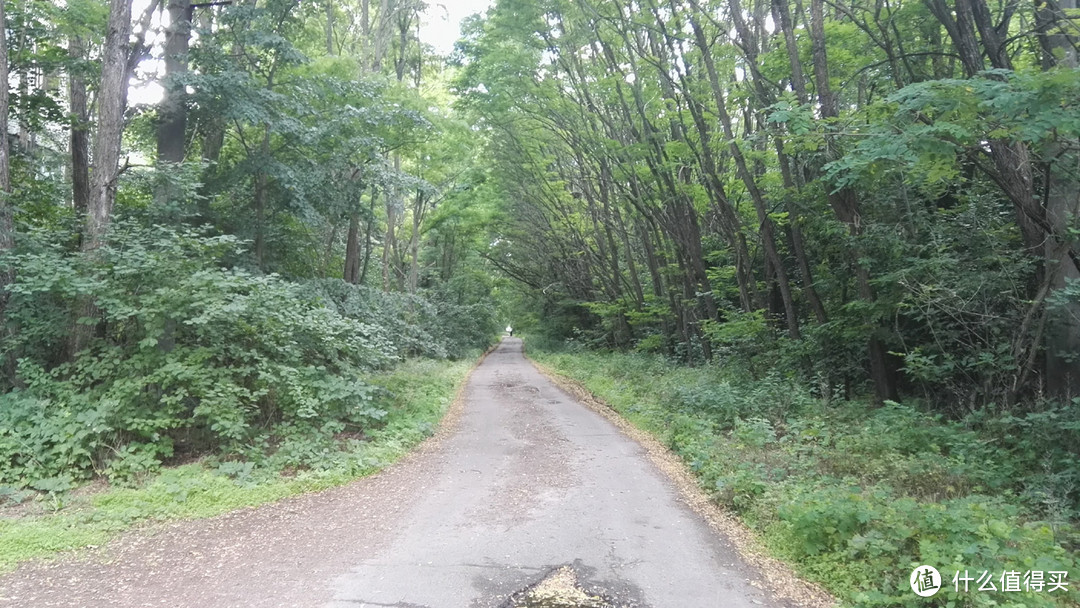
[510, 330]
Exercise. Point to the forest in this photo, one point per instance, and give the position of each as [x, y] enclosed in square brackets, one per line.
[219, 271]
[827, 250]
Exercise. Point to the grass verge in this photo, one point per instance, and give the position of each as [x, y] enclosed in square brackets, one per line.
[417, 394]
[854, 497]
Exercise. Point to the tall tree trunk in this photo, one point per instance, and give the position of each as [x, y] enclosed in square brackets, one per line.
[365, 33]
[782, 13]
[798, 243]
[7, 223]
[213, 139]
[798, 78]
[172, 121]
[80, 130]
[26, 137]
[212, 127]
[631, 264]
[403, 23]
[328, 256]
[25, 44]
[414, 242]
[1059, 42]
[389, 254]
[111, 102]
[382, 35]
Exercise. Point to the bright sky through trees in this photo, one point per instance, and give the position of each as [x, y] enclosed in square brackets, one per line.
[442, 22]
[440, 27]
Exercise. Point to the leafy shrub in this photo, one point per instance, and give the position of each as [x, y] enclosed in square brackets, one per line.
[864, 541]
[182, 351]
[740, 338]
[1043, 447]
[425, 324]
[740, 488]
[754, 432]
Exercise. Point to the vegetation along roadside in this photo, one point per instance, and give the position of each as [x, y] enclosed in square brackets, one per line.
[414, 395]
[856, 497]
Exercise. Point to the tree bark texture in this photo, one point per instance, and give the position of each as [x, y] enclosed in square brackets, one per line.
[111, 102]
[80, 130]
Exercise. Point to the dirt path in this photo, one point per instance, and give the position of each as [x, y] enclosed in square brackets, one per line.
[525, 481]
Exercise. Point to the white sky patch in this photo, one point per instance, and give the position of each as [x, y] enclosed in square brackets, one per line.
[149, 93]
[141, 89]
[440, 23]
[440, 26]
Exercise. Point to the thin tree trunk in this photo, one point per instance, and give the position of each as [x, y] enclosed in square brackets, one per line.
[330, 242]
[765, 223]
[7, 225]
[414, 243]
[390, 241]
[26, 137]
[352, 250]
[259, 200]
[845, 204]
[798, 244]
[365, 33]
[213, 139]
[330, 27]
[213, 127]
[631, 265]
[382, 35]
[798, 78]
[369, 230]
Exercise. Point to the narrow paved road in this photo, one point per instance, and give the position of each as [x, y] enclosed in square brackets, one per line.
[529, 480]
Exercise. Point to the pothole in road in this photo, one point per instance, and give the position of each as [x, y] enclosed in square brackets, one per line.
[559, 589]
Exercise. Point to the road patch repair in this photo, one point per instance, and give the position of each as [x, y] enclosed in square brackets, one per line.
[559, 589]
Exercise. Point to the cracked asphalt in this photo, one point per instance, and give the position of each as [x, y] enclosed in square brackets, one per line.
[525, 480]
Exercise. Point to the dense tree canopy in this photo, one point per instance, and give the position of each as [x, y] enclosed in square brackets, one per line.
[880, 192]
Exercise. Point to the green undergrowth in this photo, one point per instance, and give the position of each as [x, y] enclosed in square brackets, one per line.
[189, 354]
[856, 496]
[415, 395]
